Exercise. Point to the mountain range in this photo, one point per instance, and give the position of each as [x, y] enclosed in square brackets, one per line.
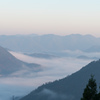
[49, 43]
[68, 88]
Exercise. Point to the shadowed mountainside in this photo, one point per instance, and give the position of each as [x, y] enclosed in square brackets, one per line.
[69, 88]
[9, 64]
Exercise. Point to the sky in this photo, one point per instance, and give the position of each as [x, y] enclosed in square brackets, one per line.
[60, 17]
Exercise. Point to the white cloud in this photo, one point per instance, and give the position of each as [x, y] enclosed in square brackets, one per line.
[53, 69]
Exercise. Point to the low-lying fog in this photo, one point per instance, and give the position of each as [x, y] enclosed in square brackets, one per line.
[52, 69]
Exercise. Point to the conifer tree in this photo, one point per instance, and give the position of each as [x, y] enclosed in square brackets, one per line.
[90, 92]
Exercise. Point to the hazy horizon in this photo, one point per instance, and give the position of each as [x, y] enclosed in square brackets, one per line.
[49, 34]
[50, 17]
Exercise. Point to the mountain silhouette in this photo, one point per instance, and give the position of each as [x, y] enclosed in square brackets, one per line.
[68, 88]
[9, 64]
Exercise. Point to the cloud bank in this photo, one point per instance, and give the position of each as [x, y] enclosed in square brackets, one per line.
[52, 69]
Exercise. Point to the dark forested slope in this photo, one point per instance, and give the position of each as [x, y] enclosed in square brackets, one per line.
[69, 88]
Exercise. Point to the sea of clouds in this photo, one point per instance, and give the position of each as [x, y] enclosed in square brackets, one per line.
[52, 69]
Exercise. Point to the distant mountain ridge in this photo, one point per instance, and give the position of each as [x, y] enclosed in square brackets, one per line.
[69, 88]
[9, 64]
[95, 48]
[86, 57]
[42, 55]
[48, 43]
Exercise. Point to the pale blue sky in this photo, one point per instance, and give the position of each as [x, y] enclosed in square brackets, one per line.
[50, 17]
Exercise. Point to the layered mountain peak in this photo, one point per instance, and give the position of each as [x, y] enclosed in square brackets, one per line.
[48, 43]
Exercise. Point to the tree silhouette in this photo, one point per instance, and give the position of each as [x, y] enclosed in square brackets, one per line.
[90, 92]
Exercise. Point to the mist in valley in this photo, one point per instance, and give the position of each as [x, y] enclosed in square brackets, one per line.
[22, 82]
